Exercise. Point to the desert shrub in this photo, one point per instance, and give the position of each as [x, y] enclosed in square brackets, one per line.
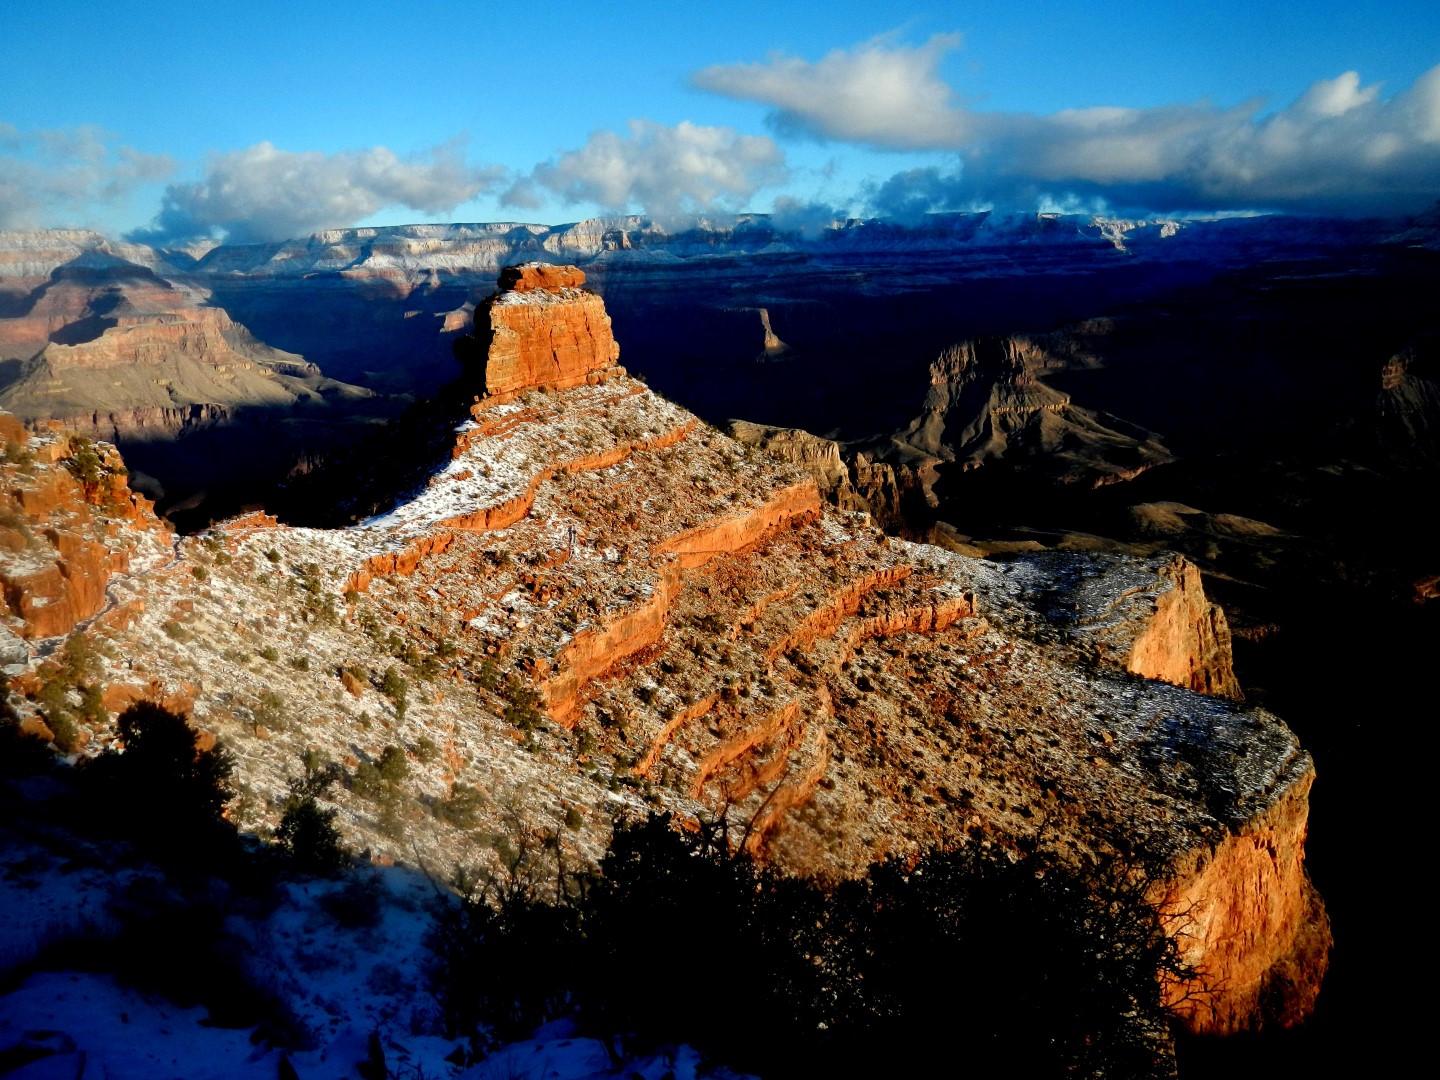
[1029, 967]
[92, 705]
[393, 765]
[159, 789]
[308, 836]
[200, 574]
[489, 677]
[270, 653]
[84, 463]
[522, 704]
[379, 780]
[300, 663]
[394, 687]
[270, 710]
[461, 808]
[307, 833]
[508, 954]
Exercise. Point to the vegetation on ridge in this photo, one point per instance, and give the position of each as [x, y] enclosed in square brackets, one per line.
[1034, 966]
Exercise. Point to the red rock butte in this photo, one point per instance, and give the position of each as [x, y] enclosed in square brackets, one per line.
[544, 331]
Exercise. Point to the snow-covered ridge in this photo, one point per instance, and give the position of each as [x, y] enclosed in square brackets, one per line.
[483, 247]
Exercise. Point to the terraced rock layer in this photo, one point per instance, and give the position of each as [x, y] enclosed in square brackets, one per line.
[600, 605]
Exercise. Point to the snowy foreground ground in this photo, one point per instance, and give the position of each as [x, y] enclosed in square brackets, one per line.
[341, 984]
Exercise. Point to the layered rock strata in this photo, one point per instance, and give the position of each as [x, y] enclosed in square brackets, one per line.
[115, 351]
[988, 402]
[543, 331]
[68, 523]
[600, 606]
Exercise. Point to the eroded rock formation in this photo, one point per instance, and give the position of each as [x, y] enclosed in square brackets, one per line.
[599, 604]
[114, 351]
[544, 332]
[68, 522]
[988, 401]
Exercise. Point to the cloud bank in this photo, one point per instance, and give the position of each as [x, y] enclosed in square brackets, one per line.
[264, 194]
[880, 94]
[661, 170]
[68, 174]
[1340, 147]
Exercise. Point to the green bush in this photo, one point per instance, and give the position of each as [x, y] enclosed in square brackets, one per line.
[462, 807]
[85, 463]
[308, 836]
[522, 704]
[394, 687]
[307, 833]
[158, 788]
[270, 710]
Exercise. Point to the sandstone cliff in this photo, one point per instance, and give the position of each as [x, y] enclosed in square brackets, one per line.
[892, 495]
[543, 332]
[600, 604]
[68, 521]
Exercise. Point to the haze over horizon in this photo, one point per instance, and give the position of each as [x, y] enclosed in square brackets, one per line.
[170, 123]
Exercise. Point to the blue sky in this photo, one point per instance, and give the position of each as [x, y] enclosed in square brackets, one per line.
[267, 119]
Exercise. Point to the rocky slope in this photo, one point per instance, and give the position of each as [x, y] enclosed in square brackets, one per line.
[988, 401]
[114, 351]
[601, 605]
[68, 524]
[117, 344]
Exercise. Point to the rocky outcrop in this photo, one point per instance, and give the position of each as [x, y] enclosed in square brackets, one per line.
[1187, 639]
[988, 402]
[1250, 922]
[1148, 616]
[527, 277]
[1407, 407]
[68, 521]
[890, 494]
[541, 330]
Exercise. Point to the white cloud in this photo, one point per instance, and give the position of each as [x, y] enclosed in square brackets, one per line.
[1339, 146]
[880, 93]
[67, 175]
[263, 193]
[662, 170]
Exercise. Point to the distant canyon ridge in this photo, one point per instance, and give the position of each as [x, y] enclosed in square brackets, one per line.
[264, 359]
